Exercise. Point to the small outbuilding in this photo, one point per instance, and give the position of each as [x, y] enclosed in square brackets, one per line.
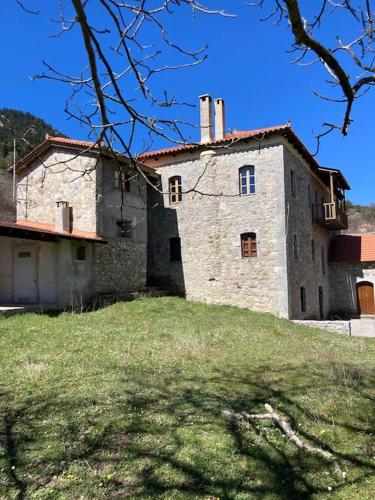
[352, 274]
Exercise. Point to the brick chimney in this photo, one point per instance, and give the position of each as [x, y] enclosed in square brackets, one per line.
[219, 119]
[63, 217]
[206, 118]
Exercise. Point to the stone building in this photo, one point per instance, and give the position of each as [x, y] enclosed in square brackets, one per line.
[244, 218]
[80, 228]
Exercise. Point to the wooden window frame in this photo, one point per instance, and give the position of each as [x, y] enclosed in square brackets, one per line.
[247, 172]
[175, 189]
[122, 180]
[249, 245]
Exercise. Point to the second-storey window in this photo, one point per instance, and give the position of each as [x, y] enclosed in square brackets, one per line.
[313, 250]
[122, 180]
[175, 191]
[295, 247]
[323, 260]
[249, 245]
[293, 183]
[247, 180]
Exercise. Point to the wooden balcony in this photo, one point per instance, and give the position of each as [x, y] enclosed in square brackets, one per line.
[329, 216]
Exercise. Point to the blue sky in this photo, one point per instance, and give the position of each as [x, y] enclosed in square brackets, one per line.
[246, 65]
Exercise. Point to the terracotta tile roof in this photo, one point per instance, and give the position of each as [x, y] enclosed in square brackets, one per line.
[236, 134]
[79, 146]
[353, 248]
[260, 133]
[55, 141]
[39, 227]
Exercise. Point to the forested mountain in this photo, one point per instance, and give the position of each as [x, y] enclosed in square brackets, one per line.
[18, 124]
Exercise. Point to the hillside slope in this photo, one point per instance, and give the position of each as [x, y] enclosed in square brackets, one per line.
[127, 402]
[14, 123]
[361, 218]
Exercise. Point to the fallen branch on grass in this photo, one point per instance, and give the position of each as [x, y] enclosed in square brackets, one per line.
[288, 431]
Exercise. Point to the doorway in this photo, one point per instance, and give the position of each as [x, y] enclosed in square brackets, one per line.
[25, 284]
[365, 298]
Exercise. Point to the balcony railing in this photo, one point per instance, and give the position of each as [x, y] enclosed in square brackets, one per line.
[330, 216]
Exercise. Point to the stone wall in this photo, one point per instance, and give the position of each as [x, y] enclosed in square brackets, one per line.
[7, 206]
[121, 265]
[343, 280]
[210, 222]
[60, 175]
[332, 326]
[305, 271]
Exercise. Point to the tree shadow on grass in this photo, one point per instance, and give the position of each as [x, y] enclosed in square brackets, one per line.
[159, 436]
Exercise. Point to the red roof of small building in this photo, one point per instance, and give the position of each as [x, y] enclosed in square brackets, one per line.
[28, 227]
[352, 248]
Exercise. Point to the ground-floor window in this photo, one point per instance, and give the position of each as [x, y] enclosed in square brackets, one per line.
[175, 249]
[321, 303]
[303, 298]
[249, 245]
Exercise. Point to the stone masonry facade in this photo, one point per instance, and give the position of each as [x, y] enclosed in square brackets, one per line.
[210, 224]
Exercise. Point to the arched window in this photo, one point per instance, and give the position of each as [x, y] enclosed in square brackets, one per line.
[247, 180]
[175, 193]
[249, 245]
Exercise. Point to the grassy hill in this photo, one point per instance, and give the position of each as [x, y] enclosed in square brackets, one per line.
[14, 123]
[128, 401]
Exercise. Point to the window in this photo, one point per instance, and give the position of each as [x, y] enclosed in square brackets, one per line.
[122, 180]
[295, 247]
[81, 253]
[247, 180]
[313, 250]
[323, 261]
[303, 298]
[321, 303]
[175, 193]
[293, 183]
[125, 229]
[175, 249]
[249, 245]
[309, 193]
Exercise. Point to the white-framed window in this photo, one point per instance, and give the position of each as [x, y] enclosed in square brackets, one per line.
[247, 180]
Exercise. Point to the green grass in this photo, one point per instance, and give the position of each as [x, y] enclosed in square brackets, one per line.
[128, 401]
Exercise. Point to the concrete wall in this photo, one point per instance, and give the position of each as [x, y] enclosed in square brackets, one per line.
[7, 206]
[60, 175]
[61, 278]
[343, 280]
[210, 222]
[305, 272]
[121, 265]
[332, 326]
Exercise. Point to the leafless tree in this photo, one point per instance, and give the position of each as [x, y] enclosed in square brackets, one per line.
[349, 62]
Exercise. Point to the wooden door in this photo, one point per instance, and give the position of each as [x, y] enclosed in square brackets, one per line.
[25, 274]
[365, 295]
